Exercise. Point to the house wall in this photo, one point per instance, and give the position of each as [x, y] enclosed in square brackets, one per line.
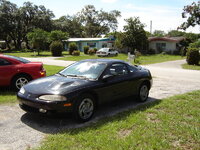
[170, 46]
[82, 44]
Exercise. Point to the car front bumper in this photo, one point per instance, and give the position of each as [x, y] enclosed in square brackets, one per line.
[45, 107]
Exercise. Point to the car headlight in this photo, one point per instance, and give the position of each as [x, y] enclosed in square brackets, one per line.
[22, 90]
[53, 98]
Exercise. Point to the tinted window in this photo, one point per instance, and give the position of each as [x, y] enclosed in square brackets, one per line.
[117, 69]
[132, 68]
[4, 62]
[18, 58]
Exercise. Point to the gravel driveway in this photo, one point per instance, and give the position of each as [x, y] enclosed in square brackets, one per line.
[19, 130]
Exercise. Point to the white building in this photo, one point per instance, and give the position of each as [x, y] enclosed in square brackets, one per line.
[165, 44]
[91, 42]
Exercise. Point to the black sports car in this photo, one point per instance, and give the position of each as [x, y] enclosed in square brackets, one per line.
[82, 86]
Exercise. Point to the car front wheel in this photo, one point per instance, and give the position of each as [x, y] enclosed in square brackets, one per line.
[84, 109]
[143, 93]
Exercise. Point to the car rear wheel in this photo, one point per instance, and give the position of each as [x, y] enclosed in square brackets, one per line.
[20, 81]
[84, 109]
[143, 93]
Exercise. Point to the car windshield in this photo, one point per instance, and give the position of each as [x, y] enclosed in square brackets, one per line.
[18, 58]
[86, 69]
[104, 49]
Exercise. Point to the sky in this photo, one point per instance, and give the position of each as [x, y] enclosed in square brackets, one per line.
[165, 15]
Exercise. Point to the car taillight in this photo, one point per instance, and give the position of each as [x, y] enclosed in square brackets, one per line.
[42, 71]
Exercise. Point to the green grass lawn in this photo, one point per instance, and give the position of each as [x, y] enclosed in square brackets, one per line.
[148, 59]
[191, 67]
[32, 54]
[9, 96]
[173, 123]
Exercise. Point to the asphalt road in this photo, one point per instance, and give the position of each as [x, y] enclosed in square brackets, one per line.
[19, 130]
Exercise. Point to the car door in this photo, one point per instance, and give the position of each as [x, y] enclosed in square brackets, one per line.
[117, 86]
[6, 72]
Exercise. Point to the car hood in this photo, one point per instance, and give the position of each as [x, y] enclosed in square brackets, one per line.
[55, 85]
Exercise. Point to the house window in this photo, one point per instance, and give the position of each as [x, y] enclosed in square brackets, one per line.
[91, 45]
[161, 46]
[104, 45]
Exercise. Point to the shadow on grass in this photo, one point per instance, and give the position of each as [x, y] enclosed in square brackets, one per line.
[7, 91]
[117, 110]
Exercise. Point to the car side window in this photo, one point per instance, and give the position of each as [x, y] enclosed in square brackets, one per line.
[117, 69]
[132, 68]
[4, 62]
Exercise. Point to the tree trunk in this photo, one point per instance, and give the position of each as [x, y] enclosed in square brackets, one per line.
[7, 44]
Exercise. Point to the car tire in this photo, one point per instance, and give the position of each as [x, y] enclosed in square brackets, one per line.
[20, 81]
[143, 93]
[84, 108]
[116, 54]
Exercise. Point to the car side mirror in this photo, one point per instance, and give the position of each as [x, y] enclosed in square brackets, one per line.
[107, 77]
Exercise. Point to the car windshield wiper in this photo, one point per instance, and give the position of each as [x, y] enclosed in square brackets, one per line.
[77, 76]
[61, 74]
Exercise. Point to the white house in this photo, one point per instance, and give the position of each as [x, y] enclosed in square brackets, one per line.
[165, 44]
[91, 42]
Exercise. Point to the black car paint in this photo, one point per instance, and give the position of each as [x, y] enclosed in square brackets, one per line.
[72, 88]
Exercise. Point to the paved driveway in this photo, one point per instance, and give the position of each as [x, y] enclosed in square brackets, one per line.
[19, 130]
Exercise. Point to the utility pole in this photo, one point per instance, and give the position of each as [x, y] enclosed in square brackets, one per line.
[151, 26]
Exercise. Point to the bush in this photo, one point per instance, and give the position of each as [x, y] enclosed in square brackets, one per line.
[56, 48]
[193, 56]
[91, 52]
[72, 47]
[195, 44]
[86, 48]
[95, 50]
[76, 53]
[151, 51]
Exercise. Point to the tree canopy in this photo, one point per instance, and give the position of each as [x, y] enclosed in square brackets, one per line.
[135, 36]
[192, 13]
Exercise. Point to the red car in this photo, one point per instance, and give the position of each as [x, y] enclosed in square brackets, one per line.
[16, 71]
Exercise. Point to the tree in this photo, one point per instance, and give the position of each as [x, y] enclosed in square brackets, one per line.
[176, 33]
[159, 33]
[33, 16]
[69, 24]
[135, 36]
[95, 23]
[58, 35]
[16, 22]
[38, 38]
[192, 13]
[8, 13]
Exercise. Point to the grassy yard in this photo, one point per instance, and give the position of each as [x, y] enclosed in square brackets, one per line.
[32, 54]
[9, 96]
[173, 123]
[148, 59]
[191, 67]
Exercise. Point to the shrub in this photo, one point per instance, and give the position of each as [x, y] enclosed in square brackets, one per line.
[151, 51]
[56, 48]
[91, 52]
[72, 47]
[195, 44]
[86, 48]
[95, 49]
[137, 54]
[76, 53]
[193, 56]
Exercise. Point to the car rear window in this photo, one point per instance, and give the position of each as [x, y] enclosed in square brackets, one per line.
[18, 58]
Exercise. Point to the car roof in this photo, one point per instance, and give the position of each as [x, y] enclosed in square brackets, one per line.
[108, 61]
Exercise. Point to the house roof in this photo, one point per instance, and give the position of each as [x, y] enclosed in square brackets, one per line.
[87, 39]
[169, 39]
